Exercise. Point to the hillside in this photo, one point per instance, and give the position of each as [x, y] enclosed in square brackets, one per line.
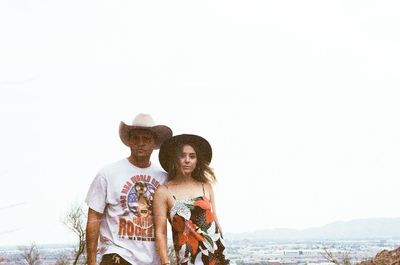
[377, 228]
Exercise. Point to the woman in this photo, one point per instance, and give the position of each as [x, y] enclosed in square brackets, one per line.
[187, 201]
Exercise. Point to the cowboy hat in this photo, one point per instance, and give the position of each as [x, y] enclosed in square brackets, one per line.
[169, 147]
[145, 122]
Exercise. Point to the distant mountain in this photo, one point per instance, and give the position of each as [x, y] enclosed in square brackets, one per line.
[377, 228]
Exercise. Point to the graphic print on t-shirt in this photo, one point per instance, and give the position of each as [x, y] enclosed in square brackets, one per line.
[137, 201]
[140, 199]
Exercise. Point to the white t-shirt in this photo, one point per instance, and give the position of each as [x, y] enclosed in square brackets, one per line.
[124, 194]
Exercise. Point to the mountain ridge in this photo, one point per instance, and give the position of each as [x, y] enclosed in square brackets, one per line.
[365, 228]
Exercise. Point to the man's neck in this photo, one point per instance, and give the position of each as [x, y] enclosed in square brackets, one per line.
[142, 163]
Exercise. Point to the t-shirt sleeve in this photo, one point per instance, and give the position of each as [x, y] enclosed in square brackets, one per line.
[96, 196]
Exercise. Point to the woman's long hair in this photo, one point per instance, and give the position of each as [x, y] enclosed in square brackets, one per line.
[202, 172]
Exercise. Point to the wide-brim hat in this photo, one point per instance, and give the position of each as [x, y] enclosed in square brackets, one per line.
[168, 148]
[145, 122]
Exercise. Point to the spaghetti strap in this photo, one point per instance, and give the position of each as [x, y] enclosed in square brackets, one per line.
[204, 193]
[170, 192]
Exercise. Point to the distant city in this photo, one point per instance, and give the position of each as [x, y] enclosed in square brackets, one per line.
[356, 240]
[246, 252]
[306, 252]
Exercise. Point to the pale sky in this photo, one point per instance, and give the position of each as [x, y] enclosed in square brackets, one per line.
[299, 100]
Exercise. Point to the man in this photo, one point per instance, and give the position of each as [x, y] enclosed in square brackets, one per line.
[120, 199]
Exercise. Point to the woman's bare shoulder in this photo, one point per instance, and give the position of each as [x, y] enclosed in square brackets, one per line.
[208, 186]
[162, 191]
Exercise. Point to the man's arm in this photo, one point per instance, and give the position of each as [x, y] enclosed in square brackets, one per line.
[92, 235]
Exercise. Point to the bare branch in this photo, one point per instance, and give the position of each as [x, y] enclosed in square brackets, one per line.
[31, 254]
[62, 260]
[75, 220]
[329, 256]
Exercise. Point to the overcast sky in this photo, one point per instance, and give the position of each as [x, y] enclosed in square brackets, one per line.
[299, 99]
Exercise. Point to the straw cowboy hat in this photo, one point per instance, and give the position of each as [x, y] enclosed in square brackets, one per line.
[145, 122]
[169, 147]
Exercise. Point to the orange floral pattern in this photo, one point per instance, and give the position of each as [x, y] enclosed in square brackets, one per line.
[196, 236]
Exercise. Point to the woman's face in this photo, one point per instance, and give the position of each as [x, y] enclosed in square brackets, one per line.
[187, 160]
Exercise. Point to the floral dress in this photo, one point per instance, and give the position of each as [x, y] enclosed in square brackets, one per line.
[195, 234]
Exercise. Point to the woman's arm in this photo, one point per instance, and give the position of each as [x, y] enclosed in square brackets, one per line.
[212, 200]
[160, 208]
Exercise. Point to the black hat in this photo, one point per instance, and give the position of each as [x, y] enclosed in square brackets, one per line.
[169, 146]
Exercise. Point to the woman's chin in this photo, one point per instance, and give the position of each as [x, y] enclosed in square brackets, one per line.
[187, 173]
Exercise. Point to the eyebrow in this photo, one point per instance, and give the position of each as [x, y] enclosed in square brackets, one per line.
[190, 153]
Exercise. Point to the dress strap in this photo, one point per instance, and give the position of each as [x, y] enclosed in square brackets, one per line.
[204, 193]
[170, 192]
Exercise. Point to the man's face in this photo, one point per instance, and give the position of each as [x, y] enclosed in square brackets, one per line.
[141, 143]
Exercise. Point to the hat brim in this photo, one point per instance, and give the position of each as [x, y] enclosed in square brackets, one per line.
[168, 148]
[162, 133]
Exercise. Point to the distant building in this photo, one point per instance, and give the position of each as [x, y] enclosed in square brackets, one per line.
[274, 262]
[321, 263]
